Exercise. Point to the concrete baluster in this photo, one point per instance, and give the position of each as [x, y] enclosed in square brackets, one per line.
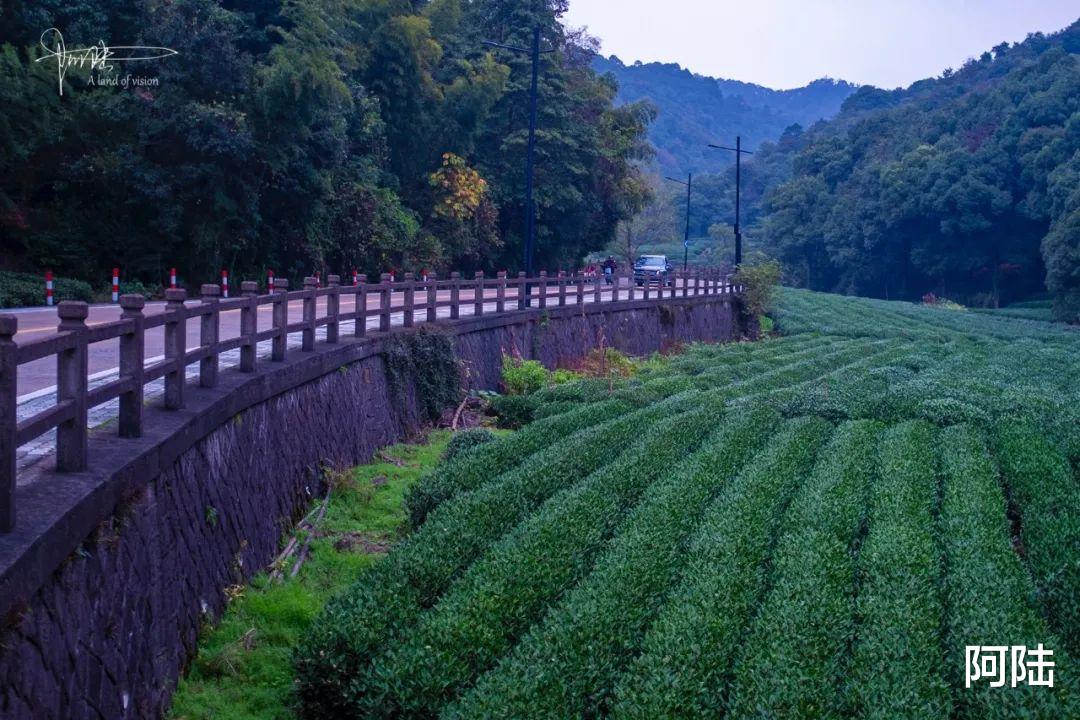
[333, 308]
[307, 337]
[131, 366]
[455, 295]
[478, 293]
[249, 325]
[175, 347]
[360, 328]
[409, 313]
[280, 344]
[432, 302]
[71, 387]
[209, 327]
[9, 364]
[500, 305]
[385, 297]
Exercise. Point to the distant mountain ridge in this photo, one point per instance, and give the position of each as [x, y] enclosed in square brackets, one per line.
[696, 110]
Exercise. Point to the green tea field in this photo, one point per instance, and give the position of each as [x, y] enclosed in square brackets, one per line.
[815, 525]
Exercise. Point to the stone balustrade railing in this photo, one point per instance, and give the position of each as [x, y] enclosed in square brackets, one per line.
[410, 298]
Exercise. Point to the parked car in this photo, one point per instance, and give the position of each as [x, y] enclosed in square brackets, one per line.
[654, 269]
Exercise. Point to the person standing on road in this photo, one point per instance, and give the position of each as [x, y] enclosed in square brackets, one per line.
[610, 266]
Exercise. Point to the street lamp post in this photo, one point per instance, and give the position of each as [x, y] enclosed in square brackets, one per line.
[530, 211]
[739, 152]
[686, 235]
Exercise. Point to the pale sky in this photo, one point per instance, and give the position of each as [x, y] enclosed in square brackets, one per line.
[787, 43]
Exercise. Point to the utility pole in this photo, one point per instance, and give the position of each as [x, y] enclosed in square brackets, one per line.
[534, 53]
[739, 152]
[686, 235]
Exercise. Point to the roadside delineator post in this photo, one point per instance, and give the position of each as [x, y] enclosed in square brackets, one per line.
[48, 288]
[225, 283]
[355, 278]
[116, 285]
[172, 278]
[270, 282]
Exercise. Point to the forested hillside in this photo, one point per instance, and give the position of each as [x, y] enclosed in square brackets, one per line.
[304, 135]
[694, 110]
[966, 185]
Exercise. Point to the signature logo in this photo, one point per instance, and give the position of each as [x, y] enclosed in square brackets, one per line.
[96, 57]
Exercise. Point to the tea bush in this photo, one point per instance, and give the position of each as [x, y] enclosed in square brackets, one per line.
[813, 525]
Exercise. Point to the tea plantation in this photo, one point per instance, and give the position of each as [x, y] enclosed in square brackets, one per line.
[815, 525]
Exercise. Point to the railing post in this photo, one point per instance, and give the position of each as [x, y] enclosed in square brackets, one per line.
[360, 329]
[131, 366]
[409, 313]
[685, 284]
[280, 344]
[432, 301]
[562, 288]
[455, 295]
[598, 289]
[208, 335]
[333, 308]
[175, 348]
[71, 387]
[632, 284]
[543, 285]
[615, 280]
[580, 288]
[522, 290]
[500, 305]
[307, 341]
[645, 287]
[9, 366]
[478, 293]
[249, 325]
[385, 296]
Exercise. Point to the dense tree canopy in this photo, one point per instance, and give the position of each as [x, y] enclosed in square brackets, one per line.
[696, 110]
[304, 135]
[965, 185]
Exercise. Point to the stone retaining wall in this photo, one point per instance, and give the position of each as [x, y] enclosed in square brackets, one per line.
[104, 593]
